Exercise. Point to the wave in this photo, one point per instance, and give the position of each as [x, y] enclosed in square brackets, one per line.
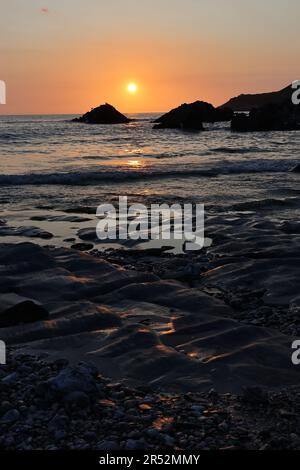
[95, 157]
[91, 177]
[127, 156]
[239, 150]
[269, 203]
[256, 166]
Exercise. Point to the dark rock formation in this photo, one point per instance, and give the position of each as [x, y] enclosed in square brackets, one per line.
[223, 114]
[31, 232]
[271, 117]
[82, 246]
[104, 114]
[15, 309]
[296, 169]
[249, 101]
[191, 116]
[70, 380]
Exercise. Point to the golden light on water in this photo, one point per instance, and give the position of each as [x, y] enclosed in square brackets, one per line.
[134, 163]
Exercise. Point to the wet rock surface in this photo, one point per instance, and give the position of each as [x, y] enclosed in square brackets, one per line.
[30, 232]
[207, 320]
[146, 349]
[82, 246]
[15, 309]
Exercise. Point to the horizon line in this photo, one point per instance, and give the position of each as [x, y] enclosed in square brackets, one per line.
[76, 114]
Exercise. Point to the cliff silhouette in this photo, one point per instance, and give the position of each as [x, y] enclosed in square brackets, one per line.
[246, 102]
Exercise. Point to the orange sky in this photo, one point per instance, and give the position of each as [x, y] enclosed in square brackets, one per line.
[67, 56]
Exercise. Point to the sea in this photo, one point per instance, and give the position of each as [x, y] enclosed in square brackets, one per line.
[51, 166]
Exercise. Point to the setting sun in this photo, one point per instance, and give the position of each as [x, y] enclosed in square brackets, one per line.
[131, 87]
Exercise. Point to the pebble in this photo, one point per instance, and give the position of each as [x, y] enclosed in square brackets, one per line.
[5, 406]
[197, 409]
[132, 444]
[108, 445]
[169, 440]
[90, 436]
[59, 435]
[77, 399]
[10, 416]
[10, 379]
[252, 420]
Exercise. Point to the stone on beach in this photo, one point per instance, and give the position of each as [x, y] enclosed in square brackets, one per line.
[73, 380]
[88, 233]
[74, 408]
[82, 246]
[30, 232]
[15, 309]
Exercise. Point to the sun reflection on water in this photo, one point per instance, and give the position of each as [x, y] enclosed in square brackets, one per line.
[135, 163]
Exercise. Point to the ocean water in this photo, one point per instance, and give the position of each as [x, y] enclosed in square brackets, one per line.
[50, 165]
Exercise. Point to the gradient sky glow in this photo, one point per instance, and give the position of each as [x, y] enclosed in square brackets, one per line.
[65, 56]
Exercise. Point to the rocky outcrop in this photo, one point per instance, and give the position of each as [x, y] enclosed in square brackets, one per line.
[191, 116]
[246, 102]
[104, 312]
[15, 309]
[296, 169]
[272, 117]
[30, 232]
[104, 114]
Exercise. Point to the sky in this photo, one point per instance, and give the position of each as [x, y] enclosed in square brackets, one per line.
[66, 56]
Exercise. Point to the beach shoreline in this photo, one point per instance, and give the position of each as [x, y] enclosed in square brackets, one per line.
[203, 326]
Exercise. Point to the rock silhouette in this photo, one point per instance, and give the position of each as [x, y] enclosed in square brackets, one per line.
[271, 117]
[103, 114]
[192, 115]
[246, 102]
[296, 169]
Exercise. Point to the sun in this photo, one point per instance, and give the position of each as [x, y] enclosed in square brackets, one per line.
[132, 87]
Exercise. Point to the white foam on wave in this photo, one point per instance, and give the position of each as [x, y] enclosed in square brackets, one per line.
[91, 177]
